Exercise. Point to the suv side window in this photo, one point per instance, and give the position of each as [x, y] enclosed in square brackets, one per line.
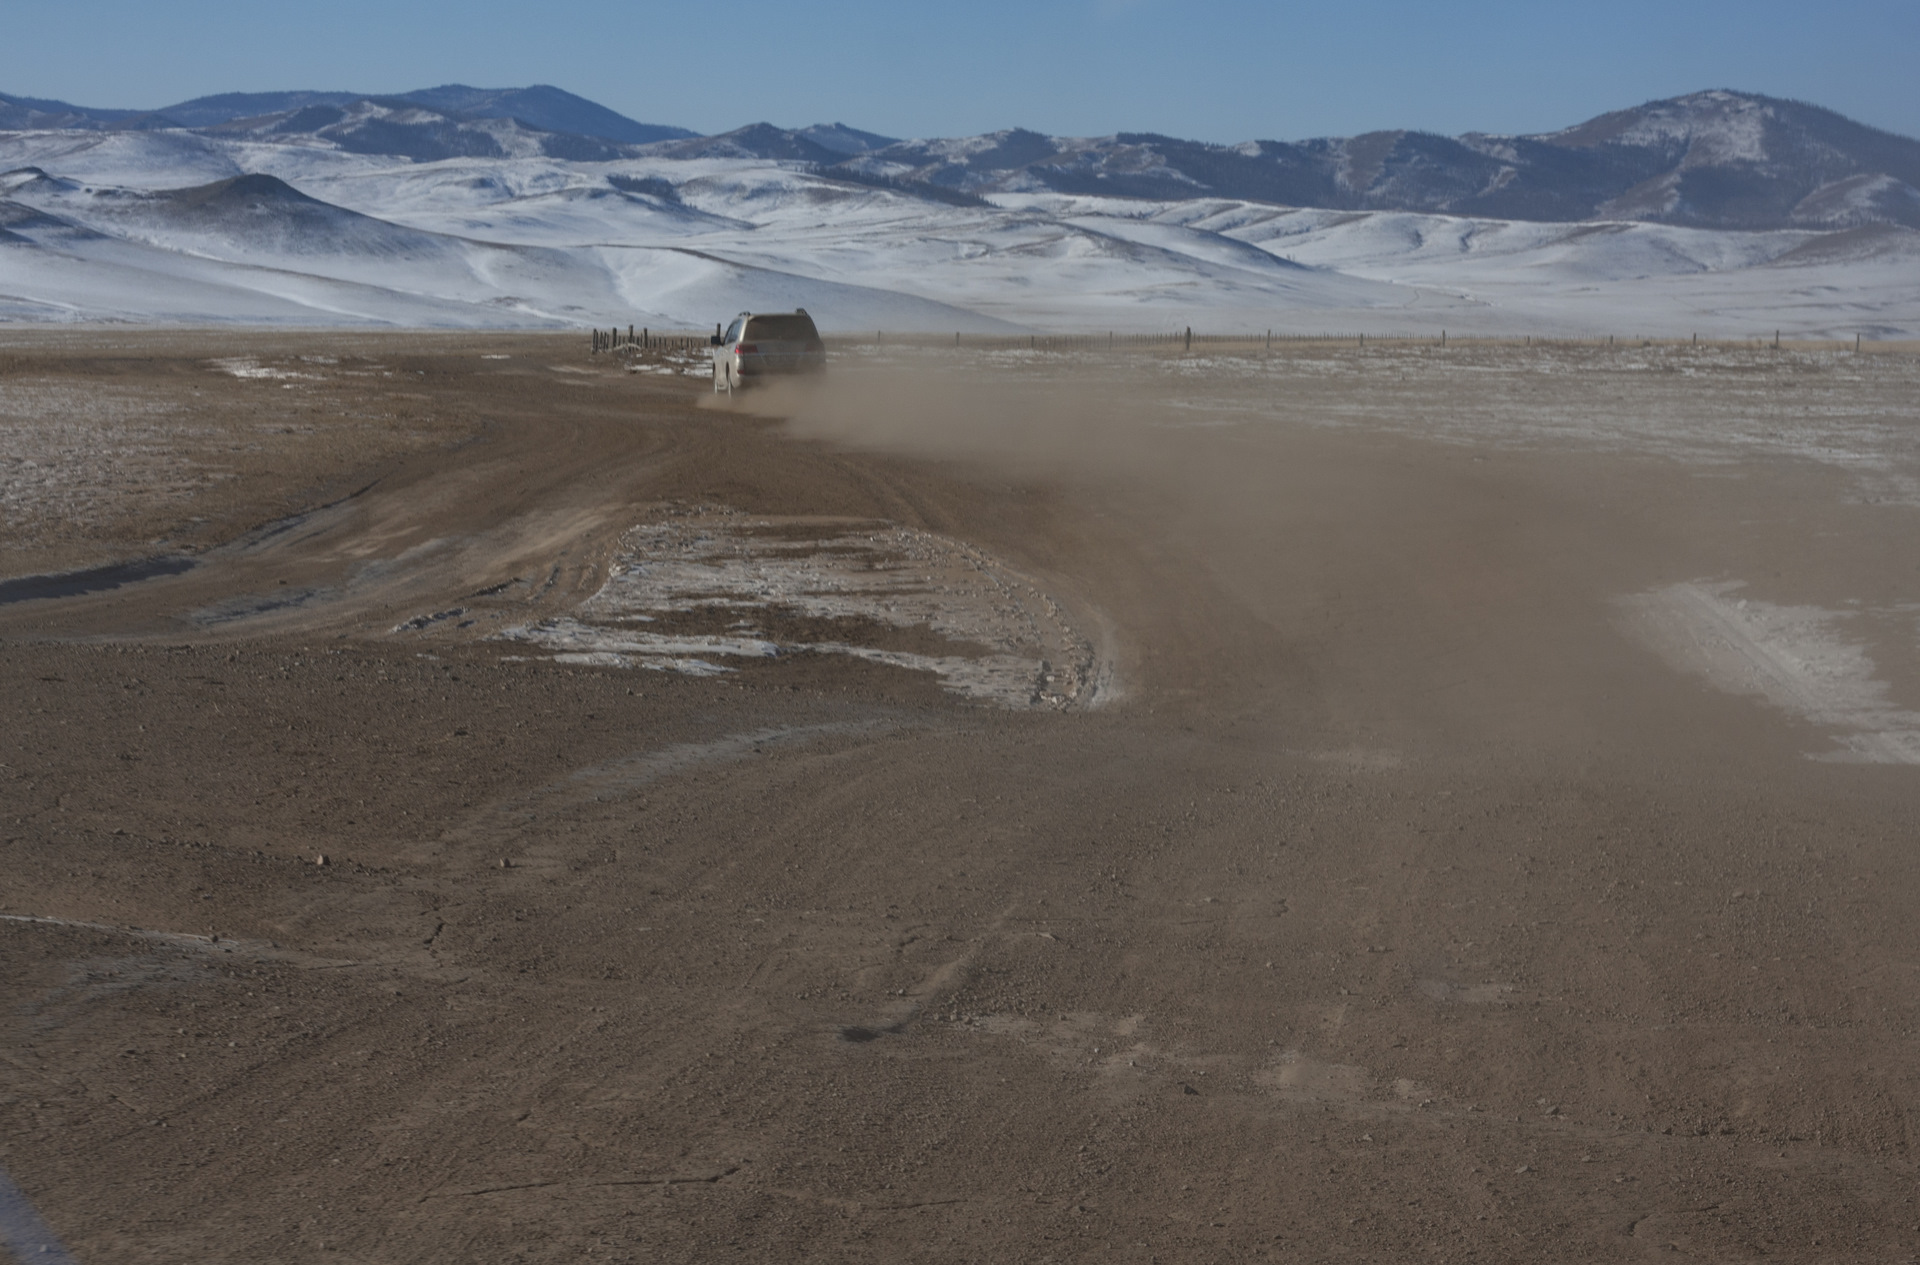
[733, 333]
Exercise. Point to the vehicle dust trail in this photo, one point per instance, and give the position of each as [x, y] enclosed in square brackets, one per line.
[1025, 423]
[1055, 414]
[1791, 656]
[1216, 449]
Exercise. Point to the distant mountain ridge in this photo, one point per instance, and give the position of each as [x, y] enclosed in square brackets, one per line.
[18, 114]
[227, 106]
[541, 107]
[399, 127]
[1716, 159]
[842, 139]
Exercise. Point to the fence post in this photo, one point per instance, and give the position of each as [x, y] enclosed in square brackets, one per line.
[1189, 338]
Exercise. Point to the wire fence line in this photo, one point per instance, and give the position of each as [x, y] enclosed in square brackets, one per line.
[613, 339]
[631, 339]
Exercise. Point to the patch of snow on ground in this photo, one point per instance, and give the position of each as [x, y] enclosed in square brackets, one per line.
[1011, 644]
[1792, 656]
[246, 367]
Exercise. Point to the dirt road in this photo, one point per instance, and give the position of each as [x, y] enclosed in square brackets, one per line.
[1338, 805]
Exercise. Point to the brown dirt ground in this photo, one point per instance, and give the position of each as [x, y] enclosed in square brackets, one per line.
[1403, 909]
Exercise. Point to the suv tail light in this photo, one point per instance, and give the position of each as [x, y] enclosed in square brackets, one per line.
[748, 349]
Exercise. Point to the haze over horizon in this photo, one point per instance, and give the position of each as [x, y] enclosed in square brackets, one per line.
[1232, 72]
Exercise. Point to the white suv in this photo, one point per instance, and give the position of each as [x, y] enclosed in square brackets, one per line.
[761, 343]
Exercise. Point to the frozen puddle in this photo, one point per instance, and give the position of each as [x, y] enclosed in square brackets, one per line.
[689, 593]
[1792, 656]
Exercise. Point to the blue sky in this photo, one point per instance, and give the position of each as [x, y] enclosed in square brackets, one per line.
[1221, 72]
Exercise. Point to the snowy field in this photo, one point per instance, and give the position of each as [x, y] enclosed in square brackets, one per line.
[94, 227]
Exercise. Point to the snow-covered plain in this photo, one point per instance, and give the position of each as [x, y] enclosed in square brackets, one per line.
[91, 230]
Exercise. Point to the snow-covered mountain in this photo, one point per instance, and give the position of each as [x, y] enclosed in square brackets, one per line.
[541, 107]
[1711, 160]
[400, 128]
[842, 139]
[336, 208]
[18, 113]
[1716, 159]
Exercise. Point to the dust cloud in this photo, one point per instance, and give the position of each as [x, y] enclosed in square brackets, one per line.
[1440, 537]
[1051, 421]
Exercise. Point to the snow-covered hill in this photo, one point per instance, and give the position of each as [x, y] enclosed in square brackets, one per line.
[391, 211]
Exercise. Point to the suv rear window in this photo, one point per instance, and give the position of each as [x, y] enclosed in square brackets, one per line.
[781, 329]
